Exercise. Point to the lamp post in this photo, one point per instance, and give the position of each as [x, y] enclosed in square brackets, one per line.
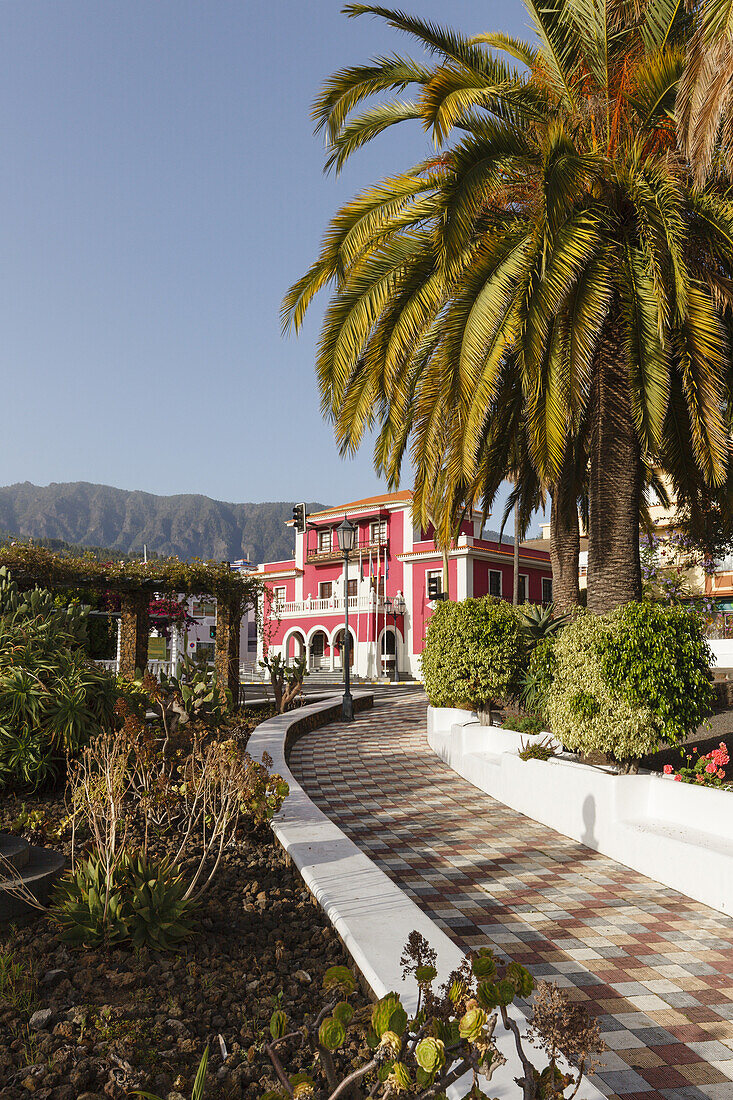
[398, 608]
[346, 535]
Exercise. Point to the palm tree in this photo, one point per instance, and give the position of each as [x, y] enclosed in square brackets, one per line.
[552, 272]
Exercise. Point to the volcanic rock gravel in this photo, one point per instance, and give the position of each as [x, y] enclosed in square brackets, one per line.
[99, 1023]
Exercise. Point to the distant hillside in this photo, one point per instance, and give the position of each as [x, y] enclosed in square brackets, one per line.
[188, 525]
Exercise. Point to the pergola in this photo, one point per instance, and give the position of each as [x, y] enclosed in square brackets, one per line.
[135, 582]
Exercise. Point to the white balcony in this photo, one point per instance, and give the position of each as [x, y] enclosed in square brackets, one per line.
[333, 606]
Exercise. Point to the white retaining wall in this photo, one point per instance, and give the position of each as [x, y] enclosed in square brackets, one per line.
[675, 833]
[722, 652]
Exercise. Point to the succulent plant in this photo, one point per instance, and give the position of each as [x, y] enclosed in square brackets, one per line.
[139, 900]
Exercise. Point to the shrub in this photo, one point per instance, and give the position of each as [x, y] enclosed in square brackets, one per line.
[473, 652]
[52, 698]
[135, 899]
[627, 680]
[528, 723]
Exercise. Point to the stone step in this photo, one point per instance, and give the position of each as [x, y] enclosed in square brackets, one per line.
[39, 874]
[15, 850]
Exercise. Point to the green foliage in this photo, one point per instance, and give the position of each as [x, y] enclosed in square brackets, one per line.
[473, 653]
[537, 750]
[657, 657]
[536, 678]
[52, 698]
[630, 679]
[528, 723]
[540, 623]
[137, 900]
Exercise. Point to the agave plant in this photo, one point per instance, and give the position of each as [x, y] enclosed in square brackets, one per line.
[134, 899]
[539, 623]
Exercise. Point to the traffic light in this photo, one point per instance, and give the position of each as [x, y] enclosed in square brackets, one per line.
[212, 632]
[299, 517]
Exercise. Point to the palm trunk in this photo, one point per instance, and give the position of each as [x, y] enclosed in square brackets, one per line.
[565, 536]
[614, 568]
[515, 586]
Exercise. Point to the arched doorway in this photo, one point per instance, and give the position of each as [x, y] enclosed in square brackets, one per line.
[338, 649]
[319, 651]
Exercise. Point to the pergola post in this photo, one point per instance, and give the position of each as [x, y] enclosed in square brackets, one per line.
[134, 631]
[228, 619]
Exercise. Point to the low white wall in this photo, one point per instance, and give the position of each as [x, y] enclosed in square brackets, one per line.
[722, 652]
[675, 833]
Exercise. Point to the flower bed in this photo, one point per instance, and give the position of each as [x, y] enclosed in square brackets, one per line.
[115, 1018]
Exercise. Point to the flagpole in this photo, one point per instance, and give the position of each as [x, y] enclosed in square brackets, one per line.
[358, 601]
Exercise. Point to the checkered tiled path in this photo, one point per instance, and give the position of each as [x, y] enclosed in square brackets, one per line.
[656, 966]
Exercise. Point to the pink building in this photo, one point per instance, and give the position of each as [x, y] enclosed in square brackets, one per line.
[304, 610]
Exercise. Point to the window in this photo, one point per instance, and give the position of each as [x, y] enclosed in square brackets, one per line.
[279, 595]
[202, 609]
[433, 574]
[523, 587]
[547, 590]
[494, 582]
[325, 590]
[378, 530]
[351, 588]
[325, 540]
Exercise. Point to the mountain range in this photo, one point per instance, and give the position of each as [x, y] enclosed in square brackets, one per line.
[188, 525]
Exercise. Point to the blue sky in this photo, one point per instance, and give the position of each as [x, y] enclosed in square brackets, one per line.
[160, 189]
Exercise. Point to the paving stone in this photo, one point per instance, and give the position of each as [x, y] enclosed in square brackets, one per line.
[488, 875]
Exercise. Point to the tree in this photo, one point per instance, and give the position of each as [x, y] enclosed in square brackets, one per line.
[553, 269]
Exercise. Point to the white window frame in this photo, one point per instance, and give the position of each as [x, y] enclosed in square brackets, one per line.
[280, 595]
[433, 573]
[500, 575]
[325, 540]
[320, 593]
[546, 580]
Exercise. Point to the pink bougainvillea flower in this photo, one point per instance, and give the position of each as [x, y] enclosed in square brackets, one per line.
[668, 769]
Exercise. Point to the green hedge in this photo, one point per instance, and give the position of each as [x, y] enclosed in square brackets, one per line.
[473, 653]
[626, 681]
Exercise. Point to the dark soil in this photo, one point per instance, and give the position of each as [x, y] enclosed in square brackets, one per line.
[122, 1019]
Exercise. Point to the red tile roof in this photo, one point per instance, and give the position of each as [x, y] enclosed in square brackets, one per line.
[404, 495]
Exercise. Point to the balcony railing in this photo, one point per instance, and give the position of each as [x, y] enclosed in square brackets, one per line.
[331, 606]
[371, 546]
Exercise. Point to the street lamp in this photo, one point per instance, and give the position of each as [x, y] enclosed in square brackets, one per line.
[397, 606]
[346, 535]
